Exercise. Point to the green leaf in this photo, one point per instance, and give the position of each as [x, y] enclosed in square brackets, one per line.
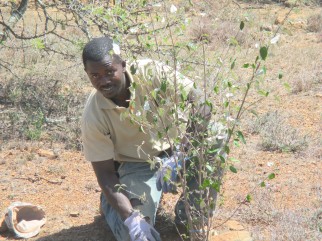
[141, 129]
[233, 64]
[233, 41]
[246, 65]
[208, 103]
[205, 184]
[263, 52]
[133, 69]
[222, 159]
[241, 137]
[209, 168]
[248, 197]
[287, 86]
[242, 25]
[164, 86]
[263, 93]
[280, 76]
[227, 150]
[263, 184]
[233, 169]
[271, 176]
[38, 43]
[236, 143]
[212, 151]
[216, 186]
[234, 160]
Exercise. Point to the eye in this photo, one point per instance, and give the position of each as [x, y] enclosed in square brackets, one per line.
[95, 76]
[110, 72]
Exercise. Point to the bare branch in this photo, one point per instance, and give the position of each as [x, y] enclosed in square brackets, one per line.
[14, 18]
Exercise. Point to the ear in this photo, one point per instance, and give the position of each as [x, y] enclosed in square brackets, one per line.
[124, 66]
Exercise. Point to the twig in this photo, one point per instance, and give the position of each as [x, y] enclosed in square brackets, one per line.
[38, 178]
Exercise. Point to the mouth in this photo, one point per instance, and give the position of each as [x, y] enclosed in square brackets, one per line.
[107, 91]
[107, 88]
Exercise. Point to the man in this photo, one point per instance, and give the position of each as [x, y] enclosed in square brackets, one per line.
[117, 141]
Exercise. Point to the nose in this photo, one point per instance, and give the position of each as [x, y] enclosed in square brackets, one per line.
[104, 80]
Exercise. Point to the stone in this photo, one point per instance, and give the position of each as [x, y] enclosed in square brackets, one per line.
[46, 153]
[233, 236]
[74, 214]
[279, 19]
[266, 28]
[234, 225]
[231, 230]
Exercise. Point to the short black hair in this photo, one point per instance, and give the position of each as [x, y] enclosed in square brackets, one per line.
[98, 48]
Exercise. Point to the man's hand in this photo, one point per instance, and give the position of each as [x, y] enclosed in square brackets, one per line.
[141, 230]
[168, 174]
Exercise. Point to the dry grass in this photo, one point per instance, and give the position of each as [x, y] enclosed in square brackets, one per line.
[275, 223]
[314, 23]
[37, 87]
[276, 135]
[218, 33]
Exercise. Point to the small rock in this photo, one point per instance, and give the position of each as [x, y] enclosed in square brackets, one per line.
[47, 153]
[270, 164]
[233, 236]
[234, 225]
[266, 28]
[279, 19]
[74, 214]
[2, 162]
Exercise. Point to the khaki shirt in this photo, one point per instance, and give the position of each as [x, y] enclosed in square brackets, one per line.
[124, 134]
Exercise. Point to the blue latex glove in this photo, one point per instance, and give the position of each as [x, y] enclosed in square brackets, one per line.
[167, 175]
[141, 230]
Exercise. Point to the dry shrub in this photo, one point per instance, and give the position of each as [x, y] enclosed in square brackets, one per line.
[306, 80]
[228, 31]
[319, 37]
[261, 209]
[201, 30]
[314, 23]
[221, 32]
[43, 95]
[276, 134]
[279, 224]
[295, 225]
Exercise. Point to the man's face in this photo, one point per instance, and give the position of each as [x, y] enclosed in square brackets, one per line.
[107, 76]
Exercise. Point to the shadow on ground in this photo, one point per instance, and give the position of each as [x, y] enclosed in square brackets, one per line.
[96, 231]
[99, 231]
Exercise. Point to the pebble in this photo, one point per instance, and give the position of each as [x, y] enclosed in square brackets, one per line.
[74, 214]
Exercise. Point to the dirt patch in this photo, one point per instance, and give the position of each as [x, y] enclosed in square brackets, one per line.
[286, 208]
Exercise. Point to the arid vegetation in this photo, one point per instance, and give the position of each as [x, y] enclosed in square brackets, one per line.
[43, 89]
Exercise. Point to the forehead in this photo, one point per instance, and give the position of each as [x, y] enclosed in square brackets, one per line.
[97, 66]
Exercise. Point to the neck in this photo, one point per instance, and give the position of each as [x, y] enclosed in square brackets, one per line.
[123, 99]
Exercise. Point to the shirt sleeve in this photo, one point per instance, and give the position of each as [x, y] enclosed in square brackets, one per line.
[97, 145]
